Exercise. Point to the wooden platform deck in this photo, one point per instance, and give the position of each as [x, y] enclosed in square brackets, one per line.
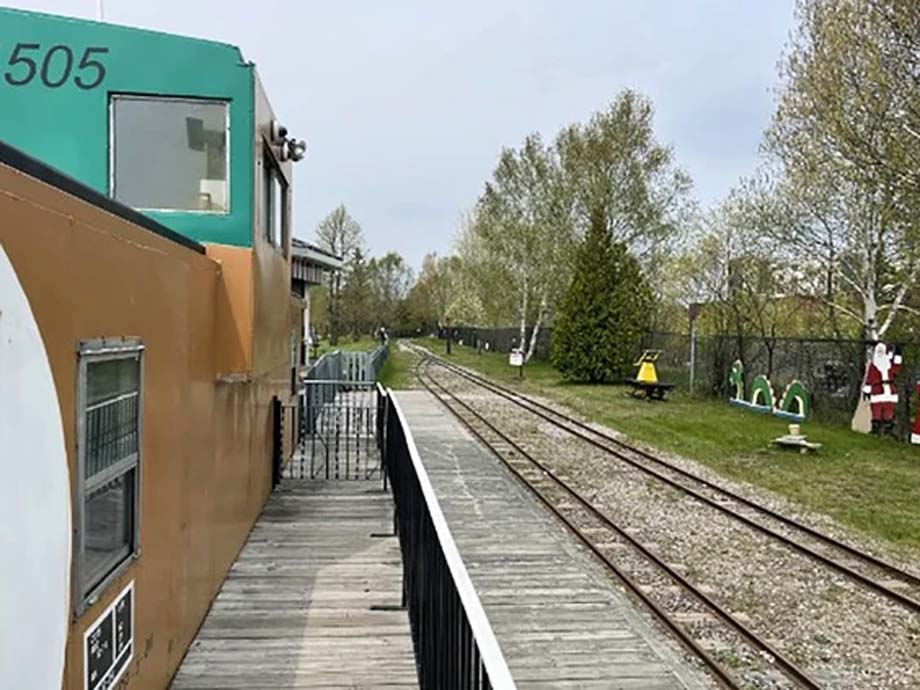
[558, 617]
[312, 601]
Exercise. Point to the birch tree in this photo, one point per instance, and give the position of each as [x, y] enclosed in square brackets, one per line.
[340, 234]
[852, 74]
[482, 281]
[860, 255]
[847, 134]
[615, 168]
[390, 279]
[522, 224]
[434, 296]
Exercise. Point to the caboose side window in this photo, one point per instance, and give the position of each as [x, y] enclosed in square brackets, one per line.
[109, 409]
[274, 202]
[170, 154]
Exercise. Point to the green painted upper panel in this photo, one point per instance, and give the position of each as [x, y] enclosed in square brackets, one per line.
[58, 77]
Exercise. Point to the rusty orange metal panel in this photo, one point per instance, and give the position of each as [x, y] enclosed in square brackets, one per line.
[206, 448]
[234, 309]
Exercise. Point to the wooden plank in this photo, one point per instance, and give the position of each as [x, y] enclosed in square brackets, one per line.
[296, 609]
[560, 620]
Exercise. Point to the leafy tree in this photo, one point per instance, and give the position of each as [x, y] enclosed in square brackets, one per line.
[482, 283]
[620, 174]
[847, 134]
[522, 229]
[340, 234]
[604, 313]
[853, 88]
[356, 299]
[390, 279]
[516, 250]
[432, 299]
[319, 310]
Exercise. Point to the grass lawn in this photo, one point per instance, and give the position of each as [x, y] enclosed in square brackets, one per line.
[865, 482]
[397, 370]
[348, 345]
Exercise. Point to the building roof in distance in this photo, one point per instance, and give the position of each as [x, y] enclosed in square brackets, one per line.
[318, 256]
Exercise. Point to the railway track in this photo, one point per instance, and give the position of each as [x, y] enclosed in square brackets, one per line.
[686, 614]
[882, 577]
[691, 614]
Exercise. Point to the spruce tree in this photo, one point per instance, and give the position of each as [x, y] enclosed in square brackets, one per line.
[355, 299]
[604, 313]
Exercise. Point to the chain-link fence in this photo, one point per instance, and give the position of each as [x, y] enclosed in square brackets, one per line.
[832, 369]
[499, 339]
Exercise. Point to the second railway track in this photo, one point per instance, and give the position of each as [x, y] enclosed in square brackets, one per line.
[880, 576]
[691, 613]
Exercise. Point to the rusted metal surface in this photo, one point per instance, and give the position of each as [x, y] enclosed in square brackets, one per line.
[207, 444]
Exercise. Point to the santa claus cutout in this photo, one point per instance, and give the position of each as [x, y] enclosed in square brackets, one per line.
[880, 389]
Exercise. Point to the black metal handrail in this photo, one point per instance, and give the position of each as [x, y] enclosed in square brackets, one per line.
[381, 432]
[337, 435]
[455, 646]
[344, 366]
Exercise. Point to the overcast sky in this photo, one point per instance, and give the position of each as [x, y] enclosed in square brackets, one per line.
[405, 104]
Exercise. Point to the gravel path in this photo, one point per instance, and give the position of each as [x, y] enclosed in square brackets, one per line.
[844, 635]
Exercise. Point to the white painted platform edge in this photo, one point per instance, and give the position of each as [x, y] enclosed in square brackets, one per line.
[489, 650]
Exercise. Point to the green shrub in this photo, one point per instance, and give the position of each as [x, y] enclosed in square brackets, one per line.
[605, 311]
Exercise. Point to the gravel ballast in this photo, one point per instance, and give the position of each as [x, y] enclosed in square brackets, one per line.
[843, 634]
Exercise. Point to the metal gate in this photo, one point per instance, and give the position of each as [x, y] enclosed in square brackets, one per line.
[337, 432]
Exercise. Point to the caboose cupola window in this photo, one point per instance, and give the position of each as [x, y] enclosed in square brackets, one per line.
[170, 154]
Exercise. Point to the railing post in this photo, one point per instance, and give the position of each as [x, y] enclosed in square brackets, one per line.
[383, 403]
[277, 440]
[692, 353]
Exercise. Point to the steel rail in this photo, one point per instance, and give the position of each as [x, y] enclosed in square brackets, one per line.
[880, 588]
[791, 670]
[790, 522]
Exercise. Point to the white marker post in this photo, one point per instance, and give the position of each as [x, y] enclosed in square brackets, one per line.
[516, 359]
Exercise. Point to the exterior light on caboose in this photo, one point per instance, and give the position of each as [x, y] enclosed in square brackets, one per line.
[278, 132]
[298, 149]
[293, 150]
